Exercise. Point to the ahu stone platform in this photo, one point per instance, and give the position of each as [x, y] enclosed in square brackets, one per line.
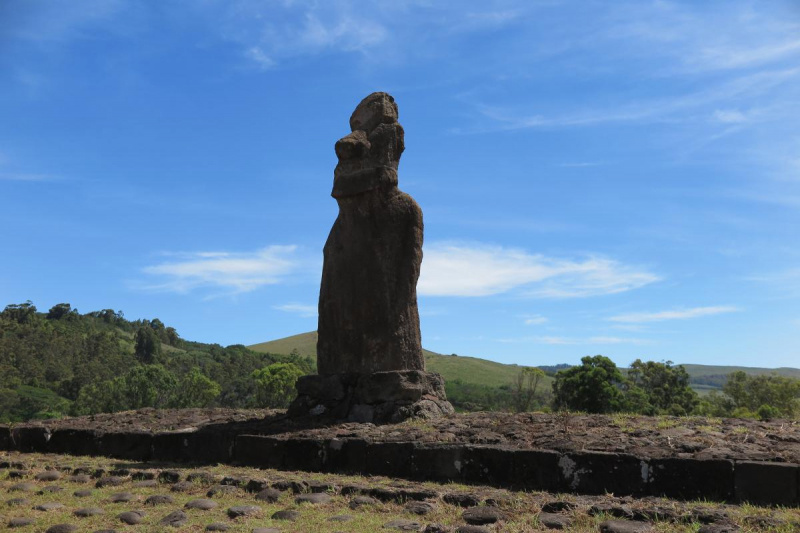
[583, 472]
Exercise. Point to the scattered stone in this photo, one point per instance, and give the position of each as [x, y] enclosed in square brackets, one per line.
[217, 526]
[203, 478]
[315, 498]
[79, 478]
[341, 518]
[18, 474]
[624, 526]
[554, 521]
[360, 501]
[98, 472]
[237, 481]
[256, 485]
[143, 475]
[222, 490]
[49, 475]
[321, 486]
[472, 529]
[558, 507]
[243, 510]
[169, 476]
[286, 514]
[146, 484]
[182, 486]
[355, 489]
[20, 522]
[420, 508]
[22, 487]
[618, 511]
[436, 528]
[110, 481]
[386, 495]
[268, 495]
[704, 515]
[202, 504]
[62, 528]
[86, 512]
[133, 517]
[50, 489]
[479, 516]
[121, 497]
[82, 470]
[297, 487]
[158, 499]
[403, 525]
[656, 514]
[462, 499]
[174, 519]
[120, 472]
[50, 506]
[13, 502]
[719, 528]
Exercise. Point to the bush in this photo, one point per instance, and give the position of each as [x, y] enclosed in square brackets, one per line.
[768, 412]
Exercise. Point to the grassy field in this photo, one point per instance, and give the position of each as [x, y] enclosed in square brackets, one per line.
[467, 369]
[61, 501]
[485, 372]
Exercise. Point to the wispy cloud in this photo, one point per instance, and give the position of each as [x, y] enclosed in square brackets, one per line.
[784, 282]
[534, 320]
[572, 341]
[482, 270]
[676, 314]
[303, 310]
[230, 272]
[19, 176]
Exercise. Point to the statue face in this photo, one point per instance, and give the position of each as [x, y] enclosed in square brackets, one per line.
[369, 156]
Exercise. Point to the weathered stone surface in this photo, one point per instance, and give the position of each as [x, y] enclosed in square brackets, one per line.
[420, 508]
[22, 487]
[169, 476]
[217, 526]
[202, 504]
[554, 521]
[286, 514]
[361, 501]
[341, 518]
[368, 318]
[110, 481]
[62, 528]
[479, 516]
[243, 510]
[133, 517]
[20, 522]
[268, 495]
[79, 478]
[86, 512]
[158, 499]
[462, 499]
[174, 519]
[222, 490]
[403, 525]
[49, 475]
[121, 497]
[182, 486]
[50, 506]
[15, 502]
[623, 526]
[767, 483]
[50, 489]
[472, 529]
[314, 497]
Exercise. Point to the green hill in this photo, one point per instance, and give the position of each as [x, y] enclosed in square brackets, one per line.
[451, 367]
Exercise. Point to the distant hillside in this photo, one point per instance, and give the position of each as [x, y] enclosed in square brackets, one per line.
[704, 378]
[451, 367]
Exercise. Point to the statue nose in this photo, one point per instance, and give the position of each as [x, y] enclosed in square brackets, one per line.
[352, 146]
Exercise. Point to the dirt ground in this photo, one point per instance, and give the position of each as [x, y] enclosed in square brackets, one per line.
[57, 493]
[657, 437]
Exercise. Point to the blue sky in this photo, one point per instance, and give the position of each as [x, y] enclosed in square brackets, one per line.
[620, 178]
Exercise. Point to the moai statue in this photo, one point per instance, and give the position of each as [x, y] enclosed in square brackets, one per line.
[369, 352]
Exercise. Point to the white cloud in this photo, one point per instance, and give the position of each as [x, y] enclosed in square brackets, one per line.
[677, 314]
[481, 270]
[534, 320]
[730, 116]
[231, 272]
[261, 59]
[300, 309]
[571, 341]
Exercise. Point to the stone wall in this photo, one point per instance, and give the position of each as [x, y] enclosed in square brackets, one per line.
[765, 483]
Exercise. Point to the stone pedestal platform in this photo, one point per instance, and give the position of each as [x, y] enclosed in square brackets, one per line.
[379, 398]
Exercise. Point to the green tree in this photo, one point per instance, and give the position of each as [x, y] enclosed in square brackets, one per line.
[196, 390]
[59, 311]
[594, 386]
[666, 387]
[525, 385]
[149, 386]
[275, 384]
[147, 345]
[750, 393]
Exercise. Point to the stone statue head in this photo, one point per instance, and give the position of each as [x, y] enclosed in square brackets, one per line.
[368, 157]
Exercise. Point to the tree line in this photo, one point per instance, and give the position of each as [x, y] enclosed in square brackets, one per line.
[63, 362]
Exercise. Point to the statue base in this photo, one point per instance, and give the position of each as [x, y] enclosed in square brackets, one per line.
[379, 398]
